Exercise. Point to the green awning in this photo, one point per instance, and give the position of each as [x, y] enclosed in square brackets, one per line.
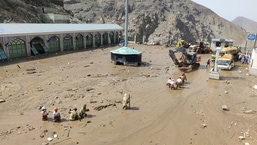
[126, 51]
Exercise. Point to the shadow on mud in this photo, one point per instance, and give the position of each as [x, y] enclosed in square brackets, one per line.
[231, 78]
[145, 64]
[90, 116]
[133, 108]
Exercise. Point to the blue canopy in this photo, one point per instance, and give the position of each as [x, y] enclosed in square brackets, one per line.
[126, 51]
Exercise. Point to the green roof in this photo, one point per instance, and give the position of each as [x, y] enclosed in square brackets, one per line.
[126, 51]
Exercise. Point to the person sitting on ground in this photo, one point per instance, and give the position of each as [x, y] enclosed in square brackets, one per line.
[73, 115]
[82, 111]
[57, 115]
[44, 113]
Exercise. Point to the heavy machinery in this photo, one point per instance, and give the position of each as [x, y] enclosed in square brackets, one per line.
[181, 43]
[188, 60]
[201, 47]
[227, 46]
[225, 62]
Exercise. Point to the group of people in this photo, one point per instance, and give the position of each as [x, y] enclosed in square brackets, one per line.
[56, 114]
[73, 114]
[179, 81]
[244, 58]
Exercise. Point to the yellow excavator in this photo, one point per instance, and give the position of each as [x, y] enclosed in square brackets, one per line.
[188, 60]
[181, 43]
[227, 46]
[201, 47]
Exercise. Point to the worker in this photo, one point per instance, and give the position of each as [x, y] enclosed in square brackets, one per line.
[44, 113]
[126, 101]
[208, 63]
[168, 82]
[57, 115]
[183, 77]
[73, 115]
[179, 81]
[82, 111]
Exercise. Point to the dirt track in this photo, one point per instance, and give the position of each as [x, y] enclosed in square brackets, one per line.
[158, 115]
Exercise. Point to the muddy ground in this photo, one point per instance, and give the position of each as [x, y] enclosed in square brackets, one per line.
[158, 116]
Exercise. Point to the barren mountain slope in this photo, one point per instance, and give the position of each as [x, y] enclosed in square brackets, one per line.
[159, 20]
[248, 24]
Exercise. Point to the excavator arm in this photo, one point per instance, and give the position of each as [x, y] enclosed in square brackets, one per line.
[173, 56]
[189, 58]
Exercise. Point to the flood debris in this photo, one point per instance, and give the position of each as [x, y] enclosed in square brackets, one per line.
[249, 111]
[99, 108]
[225, 108]
[1, 100]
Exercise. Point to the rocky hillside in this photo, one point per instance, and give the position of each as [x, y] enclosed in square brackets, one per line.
[159, 20]
[248, 24]
[154, 21]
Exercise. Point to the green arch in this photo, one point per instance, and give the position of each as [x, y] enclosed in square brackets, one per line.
[37, 44]
[97, 39]
[67, 42]
[89, 40]
[54, 44]
[79, 41]
[111, 35]
[17, 48]
[105, 39]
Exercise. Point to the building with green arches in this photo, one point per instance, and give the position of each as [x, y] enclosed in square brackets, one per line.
[28, 39]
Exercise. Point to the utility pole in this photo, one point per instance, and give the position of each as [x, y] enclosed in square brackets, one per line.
[126, 23]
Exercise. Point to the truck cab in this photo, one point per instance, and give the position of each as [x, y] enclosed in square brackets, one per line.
[225, 62]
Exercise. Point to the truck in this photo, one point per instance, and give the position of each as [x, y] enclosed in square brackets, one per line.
[227, 46]
[225, 62]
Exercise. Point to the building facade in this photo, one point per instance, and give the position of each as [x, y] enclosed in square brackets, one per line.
[23, 40]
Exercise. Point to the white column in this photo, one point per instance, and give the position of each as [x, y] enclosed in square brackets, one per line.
[61, 42]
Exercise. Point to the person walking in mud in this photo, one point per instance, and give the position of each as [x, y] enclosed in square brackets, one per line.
[208, 63]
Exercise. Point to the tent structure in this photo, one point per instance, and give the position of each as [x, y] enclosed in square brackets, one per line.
[126, 56]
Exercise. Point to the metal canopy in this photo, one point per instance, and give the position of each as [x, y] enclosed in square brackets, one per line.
[20, 29]
[126, 51]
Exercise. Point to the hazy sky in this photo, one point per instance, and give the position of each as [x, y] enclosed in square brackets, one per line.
[230, 9]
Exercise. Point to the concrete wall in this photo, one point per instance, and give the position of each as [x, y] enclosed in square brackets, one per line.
[55, 18]
[253, 62]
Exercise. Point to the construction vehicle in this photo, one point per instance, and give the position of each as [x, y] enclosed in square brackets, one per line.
[225, 62]
[201, 47]
[181, 43]
[227, 46]
[188, 60]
